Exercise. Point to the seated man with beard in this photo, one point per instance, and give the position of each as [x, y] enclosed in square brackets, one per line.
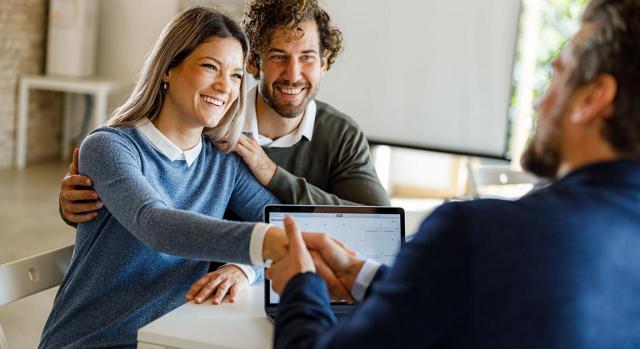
[559, 268]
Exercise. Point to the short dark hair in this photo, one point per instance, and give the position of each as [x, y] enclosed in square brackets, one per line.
[613, 47]
[263, 17]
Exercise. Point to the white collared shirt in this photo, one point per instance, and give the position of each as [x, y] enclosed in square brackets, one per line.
[304, 130]
[363, 279]
[164, 145]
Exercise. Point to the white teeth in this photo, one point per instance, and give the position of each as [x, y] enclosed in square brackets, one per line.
[290, 91]
[216, 102]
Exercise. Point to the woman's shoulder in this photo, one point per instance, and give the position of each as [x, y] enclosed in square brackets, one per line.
[106, 146]
[109, 137]
[112, 132]
[226, 160]
[213, 151]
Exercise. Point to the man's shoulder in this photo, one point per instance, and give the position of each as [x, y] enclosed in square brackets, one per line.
[493, 211]
[547, 207]
[478, 222]
[329, 116]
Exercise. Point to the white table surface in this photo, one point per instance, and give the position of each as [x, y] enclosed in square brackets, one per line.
[198, 326]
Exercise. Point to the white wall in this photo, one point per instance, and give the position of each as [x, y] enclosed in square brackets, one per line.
[421, 169]
[127, 31]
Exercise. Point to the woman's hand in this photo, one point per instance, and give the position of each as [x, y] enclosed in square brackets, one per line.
[275, 244]
[298, 259]
[227, 281]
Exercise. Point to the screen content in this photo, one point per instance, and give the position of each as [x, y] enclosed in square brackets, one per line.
[372, 236]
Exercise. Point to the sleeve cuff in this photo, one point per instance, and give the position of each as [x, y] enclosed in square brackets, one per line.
[364, 279]
[285, 186]
[256, 243]
[247, 270]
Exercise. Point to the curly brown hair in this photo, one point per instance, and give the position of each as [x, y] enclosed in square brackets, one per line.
[263, 17]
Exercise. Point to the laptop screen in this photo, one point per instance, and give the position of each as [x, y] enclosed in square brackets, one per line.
[373, 232]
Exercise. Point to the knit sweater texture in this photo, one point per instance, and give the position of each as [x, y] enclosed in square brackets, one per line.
[334, 168]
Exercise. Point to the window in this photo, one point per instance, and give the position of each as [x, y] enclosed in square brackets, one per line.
[545, 25]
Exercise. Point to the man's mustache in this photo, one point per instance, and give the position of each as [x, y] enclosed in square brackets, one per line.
[285, 83]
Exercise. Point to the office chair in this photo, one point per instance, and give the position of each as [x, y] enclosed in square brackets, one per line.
[27, 276]
[496, 176]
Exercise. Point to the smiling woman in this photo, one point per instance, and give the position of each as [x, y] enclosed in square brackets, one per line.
[200, 89]
[165, 188]
[212, 53]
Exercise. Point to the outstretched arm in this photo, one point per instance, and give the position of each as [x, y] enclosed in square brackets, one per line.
[111, 160]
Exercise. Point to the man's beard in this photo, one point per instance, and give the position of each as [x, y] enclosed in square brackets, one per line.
[543, 163]
[543, 159]
[286, 111]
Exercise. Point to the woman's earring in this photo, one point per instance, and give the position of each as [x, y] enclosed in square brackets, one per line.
[165, 86]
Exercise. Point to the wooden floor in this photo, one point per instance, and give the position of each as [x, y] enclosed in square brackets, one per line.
[30, 224]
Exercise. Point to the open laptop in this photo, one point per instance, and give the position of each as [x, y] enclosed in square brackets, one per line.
[374, 232]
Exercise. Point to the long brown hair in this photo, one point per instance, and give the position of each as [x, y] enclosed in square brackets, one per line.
[178, 39]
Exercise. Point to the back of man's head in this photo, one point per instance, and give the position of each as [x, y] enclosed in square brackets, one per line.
[613, 47]
[263, 17]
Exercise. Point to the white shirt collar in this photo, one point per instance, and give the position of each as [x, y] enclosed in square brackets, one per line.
[251, 124]
[161, 143]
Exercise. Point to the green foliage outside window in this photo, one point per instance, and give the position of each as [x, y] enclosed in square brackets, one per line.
[559, 21]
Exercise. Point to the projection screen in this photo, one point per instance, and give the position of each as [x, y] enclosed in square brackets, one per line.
[426, 74]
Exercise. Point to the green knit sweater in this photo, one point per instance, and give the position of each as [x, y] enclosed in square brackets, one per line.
[335, 168]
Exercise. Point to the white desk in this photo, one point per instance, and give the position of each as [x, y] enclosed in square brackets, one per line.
[240, 325]
[99, 89]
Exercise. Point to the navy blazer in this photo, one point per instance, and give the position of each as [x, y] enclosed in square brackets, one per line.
[559, 268]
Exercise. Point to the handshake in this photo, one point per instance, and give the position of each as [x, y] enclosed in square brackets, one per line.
[294, 252]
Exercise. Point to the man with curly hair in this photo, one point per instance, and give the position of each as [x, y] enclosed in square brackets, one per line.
[301, 149]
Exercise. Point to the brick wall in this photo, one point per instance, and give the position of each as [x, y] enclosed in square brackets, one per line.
[23, 26]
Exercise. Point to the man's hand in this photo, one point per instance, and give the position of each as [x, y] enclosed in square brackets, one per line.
[256, 159]
[337, 291]
[227, 282]
[298, 260]
[339, 259]
[78, 202]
